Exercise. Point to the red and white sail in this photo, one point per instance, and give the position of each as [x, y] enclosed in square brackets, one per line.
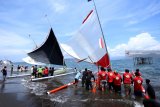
[88, 42]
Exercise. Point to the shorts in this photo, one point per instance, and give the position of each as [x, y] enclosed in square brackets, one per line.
[103, 82]
[127, 87]
[138, 93]
[117, 88]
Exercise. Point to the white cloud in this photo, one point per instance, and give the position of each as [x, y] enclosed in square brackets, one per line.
[8, 38]
[143, 41]
[59, 6]
[118, 51]
[12, 43]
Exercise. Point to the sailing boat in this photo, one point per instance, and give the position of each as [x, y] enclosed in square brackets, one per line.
[29, 60]
[48, 53]
[88, 43]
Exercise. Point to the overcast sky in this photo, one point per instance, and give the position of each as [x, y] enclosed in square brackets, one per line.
[127, 24]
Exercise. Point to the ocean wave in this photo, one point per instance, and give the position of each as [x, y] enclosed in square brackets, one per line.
[37, 88]
[59, 99]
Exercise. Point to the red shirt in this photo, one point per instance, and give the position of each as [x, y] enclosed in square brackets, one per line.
[45, 71]
[102, 75]
[110, 76]
[138, 83]
[117, 79]
[127, 78]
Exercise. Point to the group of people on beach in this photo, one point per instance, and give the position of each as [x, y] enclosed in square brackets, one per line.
[115, 81]
[22, 68]
[40, 71]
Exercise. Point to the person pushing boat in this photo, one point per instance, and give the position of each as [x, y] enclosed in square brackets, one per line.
[127, 81]
[117, 81]
[88, 81]
[102, 78]
[138, 80]
[84, 77]
[77, 77]
[110, 79]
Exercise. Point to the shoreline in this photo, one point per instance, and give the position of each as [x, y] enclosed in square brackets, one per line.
[14, 94]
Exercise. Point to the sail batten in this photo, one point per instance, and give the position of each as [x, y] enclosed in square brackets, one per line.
[49, 52]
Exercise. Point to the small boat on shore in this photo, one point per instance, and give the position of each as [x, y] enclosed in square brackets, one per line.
[18, 75]
[58, 72]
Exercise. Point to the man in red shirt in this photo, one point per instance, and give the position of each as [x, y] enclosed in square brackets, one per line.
[110, 79]
[45, 72]
[127, 81]
[138, 84]
[102, 77]
[117, 82]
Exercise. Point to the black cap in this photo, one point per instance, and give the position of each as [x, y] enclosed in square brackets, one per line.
[85, 69]
[147, 81]
[126, 70]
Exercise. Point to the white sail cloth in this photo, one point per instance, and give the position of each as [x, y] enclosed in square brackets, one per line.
[88, 43]
[29, 60]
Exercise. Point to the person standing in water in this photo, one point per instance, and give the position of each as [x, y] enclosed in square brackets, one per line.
[77, 77]
[75, 70]
[84, 77]
[138, 85]
[88, 81]
[149, 90]
[35, 71]
[11, 69]
[4, 72]
[117, 81]
[150, 98]
[52, 71]
[127, 81]
[110, 79]
[102, 78]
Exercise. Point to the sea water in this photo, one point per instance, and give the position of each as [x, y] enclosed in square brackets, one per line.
[73, 96]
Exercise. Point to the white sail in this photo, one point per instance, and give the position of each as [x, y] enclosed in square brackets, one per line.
[87, 43]
[29, 60]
